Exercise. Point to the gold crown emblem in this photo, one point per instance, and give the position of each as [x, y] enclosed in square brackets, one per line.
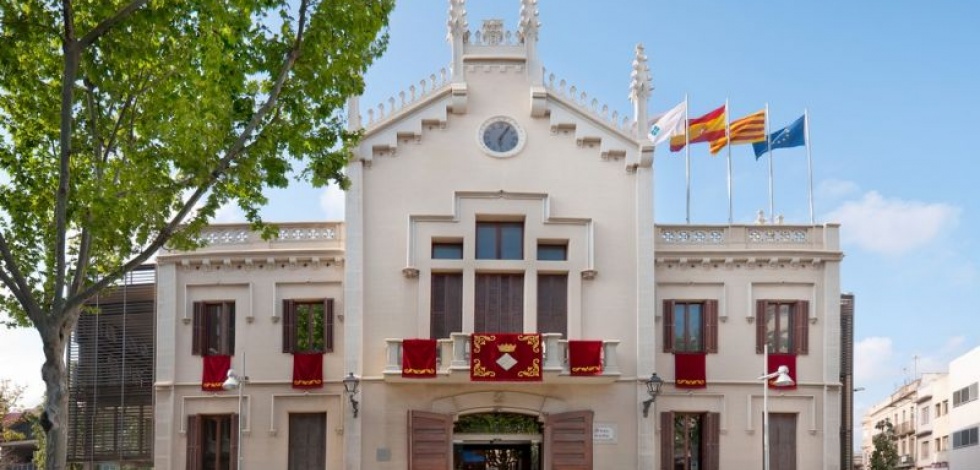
[507, 347]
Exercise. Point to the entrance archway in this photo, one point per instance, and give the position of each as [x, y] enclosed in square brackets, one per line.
[497, 441]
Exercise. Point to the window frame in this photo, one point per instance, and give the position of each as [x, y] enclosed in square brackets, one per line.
[798, 328]
[203, 335]
[552, 247]
[290, 326]
[498, 239]
[708, 325]
[197, 436]
[442, 247]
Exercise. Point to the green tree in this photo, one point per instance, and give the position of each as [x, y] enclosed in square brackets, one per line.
[10, 397]
[885, 455]
[125, 124]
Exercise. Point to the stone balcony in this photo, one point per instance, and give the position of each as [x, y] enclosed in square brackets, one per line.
[295, 242]
[453, 363]
[747, 243]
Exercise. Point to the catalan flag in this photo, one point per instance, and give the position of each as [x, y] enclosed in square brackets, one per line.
[746, 130]
[706, 128]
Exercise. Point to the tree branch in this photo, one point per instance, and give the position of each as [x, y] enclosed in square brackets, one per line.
[171, 227]
[15, 280]
[72, 59]
[103, 27]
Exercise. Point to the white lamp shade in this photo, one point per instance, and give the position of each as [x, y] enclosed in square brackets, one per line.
[231, 383]
[782, 377]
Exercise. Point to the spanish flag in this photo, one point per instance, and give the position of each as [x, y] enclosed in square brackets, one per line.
[746, 130]
[707, 128]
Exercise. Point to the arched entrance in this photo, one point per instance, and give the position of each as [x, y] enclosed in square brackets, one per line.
[497, 441]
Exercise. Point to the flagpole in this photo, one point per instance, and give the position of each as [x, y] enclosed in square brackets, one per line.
[728, 134]
[687, 155]
[809, 161]
[772, 210]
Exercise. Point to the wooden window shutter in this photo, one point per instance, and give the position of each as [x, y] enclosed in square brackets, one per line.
[328, 326]
[711, 326]
[801, 330]
[710, 436]
[667, 440]
[760, 325]
[668, 326]
[200, 320]
[233, 448]
[194, 442]
[229, 315]
[288, 326]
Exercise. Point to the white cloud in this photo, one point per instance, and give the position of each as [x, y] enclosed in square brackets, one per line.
[332, 203]
[832, 189]
[892, 226]
[228, 214]
[873, 359]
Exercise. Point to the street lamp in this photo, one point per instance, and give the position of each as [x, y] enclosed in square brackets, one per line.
[350, 386]
[654, 384]
[237, 382]
[782, 380]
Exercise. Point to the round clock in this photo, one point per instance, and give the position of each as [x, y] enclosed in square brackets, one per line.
[501, 136]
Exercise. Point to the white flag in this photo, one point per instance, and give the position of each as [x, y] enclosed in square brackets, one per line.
[670, 123]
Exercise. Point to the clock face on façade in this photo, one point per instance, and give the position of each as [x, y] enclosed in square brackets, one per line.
[501, 136]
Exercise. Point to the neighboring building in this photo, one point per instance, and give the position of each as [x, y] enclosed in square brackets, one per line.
[932, 430]
[110, 377]
[17, 453]
[502, 294]
[964, 411]
[899, 410]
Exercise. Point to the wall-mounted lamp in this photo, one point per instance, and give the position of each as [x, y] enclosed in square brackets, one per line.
[350, 387]
[654, 384]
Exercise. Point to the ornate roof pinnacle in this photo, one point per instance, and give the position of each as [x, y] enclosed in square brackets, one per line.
[641, 84]
[529, 24]
[457, 19]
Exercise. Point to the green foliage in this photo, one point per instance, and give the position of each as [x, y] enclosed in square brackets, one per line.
[497, 423]
[885, 454]
[40, 453]
[125, 124]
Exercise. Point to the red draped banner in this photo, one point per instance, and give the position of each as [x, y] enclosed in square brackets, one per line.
[215, 372]
[510, 357]
[585, 357]
[689, 370]
[418, 358]
[776, 360]
[308, 370]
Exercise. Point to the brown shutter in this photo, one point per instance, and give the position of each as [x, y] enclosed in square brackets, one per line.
[288, 325]
[568, 440]
[200, 319]
[667, 440]
[711, 326]
[193, 441]
[233, 449]
[328, 326]
[229, 314]
[430, 441]
[760, 325]
[668, 326]
[710, 436]
[499, 303]
[801, 331]
[553, 303]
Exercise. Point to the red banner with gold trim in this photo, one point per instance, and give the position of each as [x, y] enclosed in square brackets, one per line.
[585, 357]
[418, 358]
[215, 372]
[788, 360]
[689, 370]
[510, 357]
[308, 370]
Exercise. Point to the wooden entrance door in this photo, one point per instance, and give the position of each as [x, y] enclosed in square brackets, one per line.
[307, 441]
[568, 441]
[429, 441]
[782, 441]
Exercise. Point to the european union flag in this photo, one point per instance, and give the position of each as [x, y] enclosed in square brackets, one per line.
[793, 135]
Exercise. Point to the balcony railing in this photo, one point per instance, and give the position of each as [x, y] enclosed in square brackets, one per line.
[904, 428]
[453, 358]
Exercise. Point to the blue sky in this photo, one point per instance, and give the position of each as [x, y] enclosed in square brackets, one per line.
[891, 91]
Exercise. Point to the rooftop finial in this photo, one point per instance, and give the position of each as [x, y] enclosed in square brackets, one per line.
[528, 27]
[642, 82]
[458, 35]
[641, 86]
[457, 19]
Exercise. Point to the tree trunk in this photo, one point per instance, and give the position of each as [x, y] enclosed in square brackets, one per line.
[55, 417]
